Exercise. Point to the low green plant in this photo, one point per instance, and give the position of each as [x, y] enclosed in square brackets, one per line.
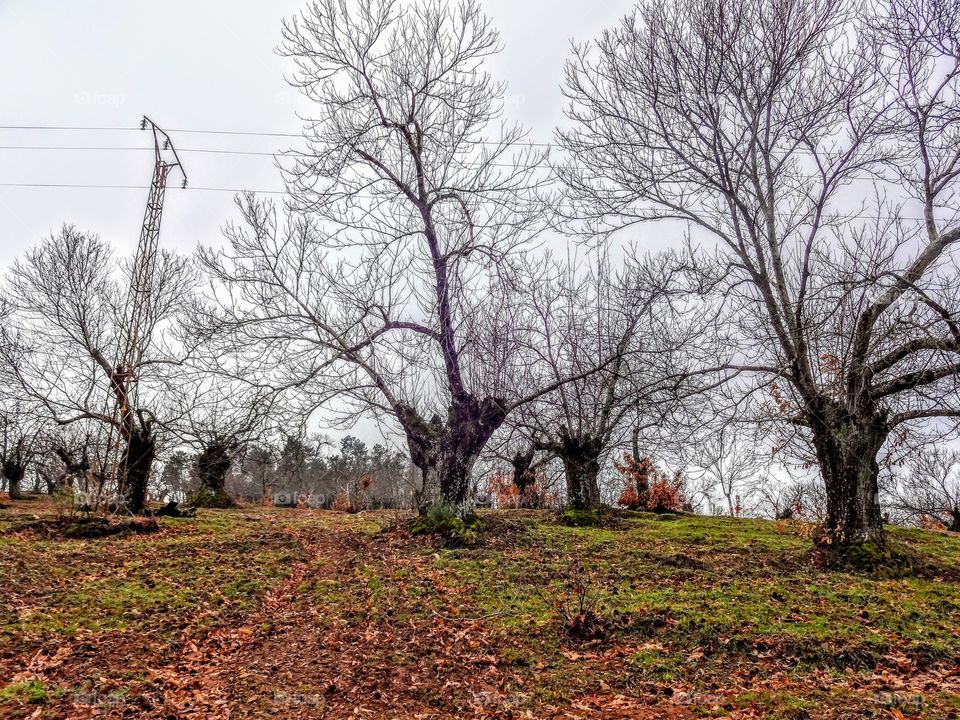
[204, 498]
[31, 691]
[576, 517]
[885, 562]
[446, 521]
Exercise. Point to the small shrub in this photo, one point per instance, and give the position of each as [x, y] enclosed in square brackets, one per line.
[341, 503]
[444, 520]
[647, 488]
[575, 517]
[630, 498]
[929, 523]
[666, 494]
[636, 473]
[204, 498]
[576, 606]
[534, 496]
[504, 491]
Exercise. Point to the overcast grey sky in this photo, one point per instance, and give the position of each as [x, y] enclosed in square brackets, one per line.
[201, 65]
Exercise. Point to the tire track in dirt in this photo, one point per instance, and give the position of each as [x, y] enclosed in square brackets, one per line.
[199, 683]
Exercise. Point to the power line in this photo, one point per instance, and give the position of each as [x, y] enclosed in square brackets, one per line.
[78, 186]
[143, 149]
[249, 133]
[64, 127]
[258, 153]
[218, 151]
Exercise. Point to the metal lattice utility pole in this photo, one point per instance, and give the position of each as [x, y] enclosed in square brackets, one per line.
[138, 320]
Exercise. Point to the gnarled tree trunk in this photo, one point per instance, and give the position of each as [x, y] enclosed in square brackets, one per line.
[138, 459]
[522, 474]
[847, 447]
[14, 472]
[446, 453]
[212, 466]
[581, 465]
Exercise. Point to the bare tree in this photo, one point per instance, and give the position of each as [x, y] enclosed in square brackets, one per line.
[23, 439]
[71, 460]
[67, 296]
[623, 323]
[930, 489]
[752, 122]
[789, 498]
[727, 459]
[218, 420]
[392, 286]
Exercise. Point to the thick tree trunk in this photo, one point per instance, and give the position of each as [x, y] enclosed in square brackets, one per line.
[955, 524]
[847, 450]
[522, 475]
[15, 483]
[446, 476]
[138, 461]
[14, 472]
[446, 453]
[422, 441]
[581, 465]
[212, 466]
[54, 484]
[456, 473]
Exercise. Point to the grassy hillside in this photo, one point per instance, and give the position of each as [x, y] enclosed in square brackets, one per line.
[310, 614]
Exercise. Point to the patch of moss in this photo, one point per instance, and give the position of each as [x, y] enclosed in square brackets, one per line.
[33, 692]
[98, 527]
[92, 528]
[666, 516]
[656, 665]
[886, 561]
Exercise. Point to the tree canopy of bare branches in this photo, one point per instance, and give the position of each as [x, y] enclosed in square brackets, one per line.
[745, 121]
[930, 489]
[627, 325]
[220, 420]
[392, 284]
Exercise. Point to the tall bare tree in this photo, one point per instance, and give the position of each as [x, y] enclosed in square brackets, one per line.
[392, 285]
[67, 296]
[778, 129]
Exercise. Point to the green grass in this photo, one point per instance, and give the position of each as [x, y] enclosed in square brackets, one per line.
[717, 586]
[708, 607]
[31, 692]
[125, 583]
